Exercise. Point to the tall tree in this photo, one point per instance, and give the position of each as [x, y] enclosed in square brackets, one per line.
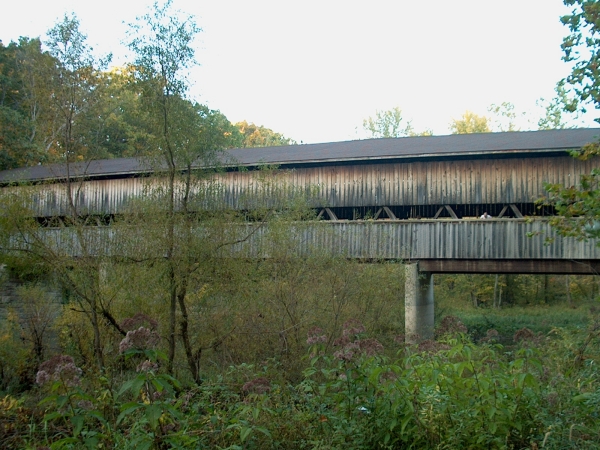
[504, 116]
[581, 48]
[258, 136]
[76, 92]
[24, 99]
[391, 124]
[560, 111]
[578, 206]
[162, 43]
[470, 123]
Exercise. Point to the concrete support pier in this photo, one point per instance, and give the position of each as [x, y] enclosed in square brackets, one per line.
[418, 304]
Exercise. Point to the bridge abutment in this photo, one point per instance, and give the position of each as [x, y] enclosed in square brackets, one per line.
[418, 304]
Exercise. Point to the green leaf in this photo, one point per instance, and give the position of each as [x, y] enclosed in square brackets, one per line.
[127, 409]
[153, 413]
[77, 422]
[583, 397]
[244, 433]
[134, 386]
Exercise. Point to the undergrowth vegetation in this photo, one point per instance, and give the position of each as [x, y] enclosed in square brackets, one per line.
[542, 391]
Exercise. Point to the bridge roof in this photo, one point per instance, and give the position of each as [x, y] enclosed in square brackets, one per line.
[363, 151]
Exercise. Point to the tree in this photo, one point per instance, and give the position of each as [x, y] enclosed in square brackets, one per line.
[578, 206]
[76, 92]
[581, 47]
[470, 123]
[259, 136]
[185, 135]
[24, 97]
[390, 124]
[558, 112]
[504, 116]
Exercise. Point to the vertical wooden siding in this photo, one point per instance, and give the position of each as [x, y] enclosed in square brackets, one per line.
[495, 239]
[487, 181]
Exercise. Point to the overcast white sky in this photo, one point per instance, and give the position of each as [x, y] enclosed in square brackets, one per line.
[314, 69]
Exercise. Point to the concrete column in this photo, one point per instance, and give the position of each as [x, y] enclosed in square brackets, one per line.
[418, 304]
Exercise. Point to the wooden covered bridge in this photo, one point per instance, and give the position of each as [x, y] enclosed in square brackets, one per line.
[415, 199]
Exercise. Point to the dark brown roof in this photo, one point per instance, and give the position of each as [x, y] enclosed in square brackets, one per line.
[422, 147]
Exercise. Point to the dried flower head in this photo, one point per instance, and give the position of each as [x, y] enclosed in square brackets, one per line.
[59, 368]
[491, 336]
[524, 335]
[140, 339]
[400, 339]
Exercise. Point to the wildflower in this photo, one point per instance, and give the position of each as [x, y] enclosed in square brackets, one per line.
[140, 339]
[139, 320]
[431, 346]
[353, 327]
[59, 368]
[347, 352]
[147, 366]
[370, 347]
[451, 325]
[316, 336]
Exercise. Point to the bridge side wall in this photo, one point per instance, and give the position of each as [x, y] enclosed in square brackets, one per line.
[483, 181]
[410, 240]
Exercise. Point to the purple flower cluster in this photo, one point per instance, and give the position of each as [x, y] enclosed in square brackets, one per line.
[451, 326]
[352, 345]
[367, 347]
[315, 336]
[491, 336]
[140, 339]
[147, 366]
[59, 368]
[139, 320]
[431, 346]
[352, 327]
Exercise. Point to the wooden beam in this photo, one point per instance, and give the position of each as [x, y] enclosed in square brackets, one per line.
[439, 211]
[331, 214]
[390, 213]
[451, 211]
[503, 211]
[516, 266]
[516, 211]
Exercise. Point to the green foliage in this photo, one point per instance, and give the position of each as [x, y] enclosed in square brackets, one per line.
[470, 123]
[390, 124]
[505, 117]
[577, 206]
[446, 394]
[558, 112]
[581, 48]
[258, 136]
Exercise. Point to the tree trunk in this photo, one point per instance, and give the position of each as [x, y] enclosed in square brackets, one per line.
[568, 290]
[496, 292]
